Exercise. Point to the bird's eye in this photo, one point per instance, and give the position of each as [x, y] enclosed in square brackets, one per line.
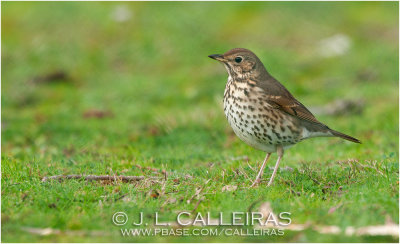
[238, 59]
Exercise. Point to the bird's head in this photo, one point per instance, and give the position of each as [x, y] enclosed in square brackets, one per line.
[240, 62]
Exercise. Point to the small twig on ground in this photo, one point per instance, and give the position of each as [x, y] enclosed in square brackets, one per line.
[96, 177]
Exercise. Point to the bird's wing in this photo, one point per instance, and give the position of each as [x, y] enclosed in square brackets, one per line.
[280, 98]
[291, 106]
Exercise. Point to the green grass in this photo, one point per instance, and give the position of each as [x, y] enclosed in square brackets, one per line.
[163, 98]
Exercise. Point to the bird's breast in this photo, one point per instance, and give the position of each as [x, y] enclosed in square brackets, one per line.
[254, 120]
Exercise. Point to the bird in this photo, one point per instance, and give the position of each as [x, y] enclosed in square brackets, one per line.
[262, 112]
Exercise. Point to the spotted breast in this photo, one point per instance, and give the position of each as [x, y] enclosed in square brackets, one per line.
[254, 120]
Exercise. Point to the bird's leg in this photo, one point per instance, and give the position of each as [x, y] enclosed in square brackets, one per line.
[279, 151]
[260, 173]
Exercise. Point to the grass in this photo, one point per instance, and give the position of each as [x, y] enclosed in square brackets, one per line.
[141, 94]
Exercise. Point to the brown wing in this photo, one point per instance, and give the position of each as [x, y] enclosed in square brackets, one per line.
[291, 106]
[280, 98]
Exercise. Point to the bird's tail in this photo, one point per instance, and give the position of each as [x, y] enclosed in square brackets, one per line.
[344, 136]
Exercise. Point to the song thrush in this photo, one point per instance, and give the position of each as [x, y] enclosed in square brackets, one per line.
[262, 112]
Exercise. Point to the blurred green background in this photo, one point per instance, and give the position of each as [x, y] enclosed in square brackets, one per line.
[127, 88]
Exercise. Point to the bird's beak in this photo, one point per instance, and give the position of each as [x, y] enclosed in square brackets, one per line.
[218, 57]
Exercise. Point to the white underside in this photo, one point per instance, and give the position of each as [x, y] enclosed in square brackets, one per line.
[251, 142]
